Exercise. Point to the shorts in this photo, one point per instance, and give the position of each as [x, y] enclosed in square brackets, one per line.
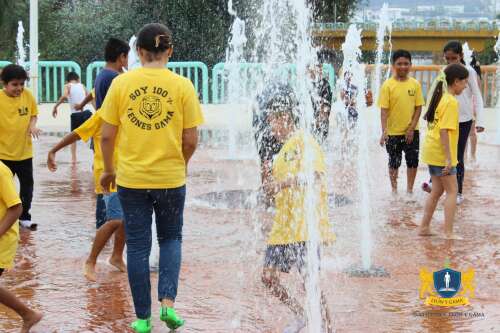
[113, 207]
[396, 145]
[284, 257]
[437, 171]
[78, 118]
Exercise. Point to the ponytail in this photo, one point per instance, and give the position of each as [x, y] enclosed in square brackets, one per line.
[436, 98]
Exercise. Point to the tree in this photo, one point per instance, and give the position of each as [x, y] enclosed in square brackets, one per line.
[333, 10]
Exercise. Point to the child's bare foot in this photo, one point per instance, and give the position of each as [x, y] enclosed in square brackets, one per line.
[31, 320]
[451, 237]
[118, 263]
[425, 232]
[89, 271]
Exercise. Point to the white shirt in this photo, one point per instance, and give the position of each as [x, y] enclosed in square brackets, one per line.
[471, 99]
[77, 94]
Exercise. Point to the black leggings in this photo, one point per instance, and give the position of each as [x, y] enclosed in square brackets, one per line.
[463, 136]
[24, 171]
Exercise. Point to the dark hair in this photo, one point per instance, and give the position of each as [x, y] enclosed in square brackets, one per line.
[400, 54]
[475, 64]
[453, 72]
[114, 49]
[72, 76]
[456, 47]
[13, 72]
[155, 38]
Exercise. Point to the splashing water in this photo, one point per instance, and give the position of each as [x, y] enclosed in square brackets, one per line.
[133, 58]
[467, 53]
[497, 50]
[384, 29]
[21, 51]
[352, 53]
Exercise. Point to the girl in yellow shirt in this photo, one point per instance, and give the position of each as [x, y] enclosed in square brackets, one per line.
[157, 113]
[440, 147]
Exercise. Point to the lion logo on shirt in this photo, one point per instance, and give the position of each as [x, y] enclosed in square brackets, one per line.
[412, 92]
[150, 107]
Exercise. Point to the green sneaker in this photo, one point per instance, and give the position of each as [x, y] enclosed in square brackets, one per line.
[170, 318]
[142, 325]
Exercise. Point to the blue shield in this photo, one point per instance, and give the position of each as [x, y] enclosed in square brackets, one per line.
[447, 282]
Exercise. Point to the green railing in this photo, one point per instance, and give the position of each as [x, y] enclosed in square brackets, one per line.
[251, 74]
[195, 71]
[4, 63]
[52, 77]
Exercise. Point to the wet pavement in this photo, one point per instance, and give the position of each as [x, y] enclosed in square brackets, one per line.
[220, 288]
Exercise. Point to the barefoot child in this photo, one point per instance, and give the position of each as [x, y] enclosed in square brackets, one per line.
[18, 117]
[440, 147]
[401, 103]
[10, 210]
[114, 215]
[74, 92]
[157, 113]
[288, 241]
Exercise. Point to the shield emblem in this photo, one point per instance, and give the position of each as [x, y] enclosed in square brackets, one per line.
[447, 282]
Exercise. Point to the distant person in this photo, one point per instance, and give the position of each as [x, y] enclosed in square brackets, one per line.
[401, 102]
[473, 131]
[18, 118]
[91, 129]
[468, 101]
[10, 210]
[349, 95]
[157, 113]
[441, 144]
[74, 92]
[288, 242]
[322, 103]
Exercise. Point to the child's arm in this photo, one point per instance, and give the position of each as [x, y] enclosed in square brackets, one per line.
[384, 114]
[445, 141]
[33, 130]
[61, 100]
[11, 216]
[89, 98]
[189, 143]
[108, 177]
[66, 141]
[414, 121]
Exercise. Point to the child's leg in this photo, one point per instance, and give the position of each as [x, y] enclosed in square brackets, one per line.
[137, 211]
[271, 280]
[73, 152]
[25, 175]
[450, 205]
[411, 155]
[411, 175]
[430, 205]
[102, 235]
[473, 142]
[30, 317]
[394, 146]
[118, 247]
[393, 175]
[326, 311]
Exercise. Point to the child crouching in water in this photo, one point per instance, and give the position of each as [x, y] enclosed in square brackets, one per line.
[288, 240]
[440, 147]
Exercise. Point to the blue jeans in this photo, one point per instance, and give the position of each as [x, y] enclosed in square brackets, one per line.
[100, 211]
[138, 206]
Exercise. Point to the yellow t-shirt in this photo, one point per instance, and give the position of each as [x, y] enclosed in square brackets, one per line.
[15, 116]
[151, 107]
[400, 98]
[92, 129]
[8, 198]
[446, 117]
[289, 221]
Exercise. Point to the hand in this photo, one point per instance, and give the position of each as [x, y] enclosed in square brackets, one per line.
[409, 136]
[78, 107]
[108, 181]
[369, 98]
[383, 139]
[447, 168]
[54, 112]
[51, 161]
[479, 129]
[34, 132]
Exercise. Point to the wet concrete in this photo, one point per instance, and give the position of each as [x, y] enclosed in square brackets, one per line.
[220, 288]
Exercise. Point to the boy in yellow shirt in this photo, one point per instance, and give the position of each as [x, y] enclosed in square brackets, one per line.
[157, 113]
[401, 102]
[10, 210]
[114, 214]
[18, 116]
[440, 150]
[288, 241]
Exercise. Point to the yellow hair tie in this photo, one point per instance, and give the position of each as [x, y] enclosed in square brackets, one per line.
[157, 40]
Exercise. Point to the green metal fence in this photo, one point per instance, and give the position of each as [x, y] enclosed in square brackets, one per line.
[4, 63]
[195, 71]
[251, 74]
[52, 77]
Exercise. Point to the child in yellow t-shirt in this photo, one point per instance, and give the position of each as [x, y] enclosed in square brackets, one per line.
[157, 113]
[18, 117]
[10, 210]
[114, 214]
[288, 240]
[440, 147]
[401, 103]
